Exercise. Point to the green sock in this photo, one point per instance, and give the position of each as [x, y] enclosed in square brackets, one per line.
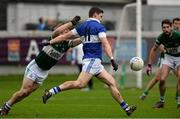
[178, 99]
[162, 99]
[145, 92]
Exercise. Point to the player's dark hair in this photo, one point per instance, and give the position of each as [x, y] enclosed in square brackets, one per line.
[166, 21]
[95, 10]
[176, 19]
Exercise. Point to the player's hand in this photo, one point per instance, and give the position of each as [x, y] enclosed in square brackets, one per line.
[114, 64]
[149, 70]
[44, 43]
[70, 43]
[75, 20]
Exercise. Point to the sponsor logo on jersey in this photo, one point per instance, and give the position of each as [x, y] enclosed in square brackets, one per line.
[50, 51]
[174, 50]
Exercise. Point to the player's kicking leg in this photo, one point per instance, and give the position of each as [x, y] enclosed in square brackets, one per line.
[81, 82]
[109, 80]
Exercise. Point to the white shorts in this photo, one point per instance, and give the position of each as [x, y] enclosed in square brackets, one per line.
[33, 72]
[159, 63]
[171, 61]
[92, 66]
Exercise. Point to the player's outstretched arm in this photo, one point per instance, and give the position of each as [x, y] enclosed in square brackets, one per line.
[61, 28]
[60, 38]
[75, 42]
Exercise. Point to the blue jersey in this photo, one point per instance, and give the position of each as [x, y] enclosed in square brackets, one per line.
[90, 32]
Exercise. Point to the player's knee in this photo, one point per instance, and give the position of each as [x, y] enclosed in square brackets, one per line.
[79, 84]
[158, 78]
[25, 92]
[178, 79]
[112, 83]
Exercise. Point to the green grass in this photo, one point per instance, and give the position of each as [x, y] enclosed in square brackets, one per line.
[96, 103]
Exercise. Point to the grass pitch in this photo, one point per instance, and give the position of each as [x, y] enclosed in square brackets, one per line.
[96, 103]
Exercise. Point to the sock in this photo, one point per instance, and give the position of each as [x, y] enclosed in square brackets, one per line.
[176, 95]
[7, 106]
[161, 98]
[124, 105]
[178, 99]
[55, 90]
[145, 93]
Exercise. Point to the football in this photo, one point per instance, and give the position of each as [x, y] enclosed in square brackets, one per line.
[136, 63]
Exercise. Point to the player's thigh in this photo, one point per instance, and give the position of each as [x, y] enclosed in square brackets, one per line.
[84, 77]
[106, 77]
[165, 69]
[177, 72]
[29, 85]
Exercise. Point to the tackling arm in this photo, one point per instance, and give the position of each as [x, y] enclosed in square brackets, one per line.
[75, 42]
[60, 38]
[59, 29]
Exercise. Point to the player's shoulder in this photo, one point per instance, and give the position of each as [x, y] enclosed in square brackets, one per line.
[177, 33]
[160, 36]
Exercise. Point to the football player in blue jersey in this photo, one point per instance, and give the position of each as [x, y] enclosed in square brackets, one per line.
[93, 36]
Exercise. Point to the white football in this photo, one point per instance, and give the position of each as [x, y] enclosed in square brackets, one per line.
[136, 63]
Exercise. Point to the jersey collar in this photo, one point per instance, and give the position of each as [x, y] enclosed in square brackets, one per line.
[89, 19]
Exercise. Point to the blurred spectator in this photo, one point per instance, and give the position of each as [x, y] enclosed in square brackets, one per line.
[41, 25]
[51, 23]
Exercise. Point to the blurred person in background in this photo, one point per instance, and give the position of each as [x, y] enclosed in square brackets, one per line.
[42, 25]
[93, 36]
[51, 23]
[77, 57]
[176, 24]
[156, 78]
[37, 70]
[170, 39]
[176, 27]
[152, 82]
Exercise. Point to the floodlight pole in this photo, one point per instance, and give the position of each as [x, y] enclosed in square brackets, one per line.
[139, 38]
